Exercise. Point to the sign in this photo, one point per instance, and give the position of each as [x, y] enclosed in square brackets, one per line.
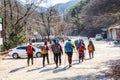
[1, 41]
[0, 27]
[1, 20]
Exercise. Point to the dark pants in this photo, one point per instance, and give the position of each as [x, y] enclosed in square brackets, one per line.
[30, 56]
[57, 57]
[81, 56]
[91, 53]
[70, 57]
[45, 55]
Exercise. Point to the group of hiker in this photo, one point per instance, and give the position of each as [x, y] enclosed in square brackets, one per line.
[57, 51]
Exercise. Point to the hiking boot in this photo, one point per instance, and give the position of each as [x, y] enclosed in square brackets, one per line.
[43, 65]
[70, 65]
[56, 67]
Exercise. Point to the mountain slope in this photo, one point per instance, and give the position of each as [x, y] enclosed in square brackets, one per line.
[63, 7]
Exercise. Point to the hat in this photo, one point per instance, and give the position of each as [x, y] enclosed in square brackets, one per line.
[69, 39]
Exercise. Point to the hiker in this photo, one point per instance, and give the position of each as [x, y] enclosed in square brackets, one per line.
[88, 37]
[44, 52]
[91, 49]
[57, 40]
[69, 51]
[29, 51]
[82, 42]
[57, 51]
[76, 43]
[81, 49]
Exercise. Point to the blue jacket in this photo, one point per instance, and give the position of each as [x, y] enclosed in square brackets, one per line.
[68, 47]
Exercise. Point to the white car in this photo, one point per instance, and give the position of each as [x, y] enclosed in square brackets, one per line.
[20, 52]
[98, 37]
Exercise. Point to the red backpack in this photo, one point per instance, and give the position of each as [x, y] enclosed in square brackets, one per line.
[90, 47]
[29, 50]
[80, 48]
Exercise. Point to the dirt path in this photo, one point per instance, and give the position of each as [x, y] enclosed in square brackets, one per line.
[90, 69]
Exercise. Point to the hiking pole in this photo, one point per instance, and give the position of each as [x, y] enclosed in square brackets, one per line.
[85, 55]
[76, 53]
[51, 55]
[65, 59]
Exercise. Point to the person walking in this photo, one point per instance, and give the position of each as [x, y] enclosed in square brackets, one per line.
[45, 49]
[91, 49]
[30, 51]
[57, 51]
[69, 51]
[81, 49]
[76, 43]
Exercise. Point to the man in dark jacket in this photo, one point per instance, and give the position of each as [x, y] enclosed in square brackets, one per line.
[57, 51]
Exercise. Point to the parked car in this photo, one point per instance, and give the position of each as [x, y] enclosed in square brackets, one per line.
[98, 37]
[20, 52]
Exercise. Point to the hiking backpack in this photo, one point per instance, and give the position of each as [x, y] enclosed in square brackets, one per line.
[29, 50]
[90, 47]
[80, 48]
[56, 49]
[44, 50]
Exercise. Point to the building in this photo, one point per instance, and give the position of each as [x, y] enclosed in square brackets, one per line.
[114, 33]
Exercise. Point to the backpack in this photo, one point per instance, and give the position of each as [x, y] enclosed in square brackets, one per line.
[90, 47]
[44, 51]
[56, 49]
[80, 48]
[29, 50]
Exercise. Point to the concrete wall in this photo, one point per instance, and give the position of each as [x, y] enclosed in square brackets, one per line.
[111, 35]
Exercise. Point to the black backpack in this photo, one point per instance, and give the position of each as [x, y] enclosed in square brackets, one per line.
[56, 49]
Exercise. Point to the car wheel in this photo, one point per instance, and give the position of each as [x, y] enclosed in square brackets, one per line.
[38, 54]
[15, 56]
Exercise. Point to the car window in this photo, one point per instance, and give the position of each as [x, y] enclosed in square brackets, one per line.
[23, 47]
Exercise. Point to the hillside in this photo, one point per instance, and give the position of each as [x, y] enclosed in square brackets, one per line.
[96, 14]
[62, 7]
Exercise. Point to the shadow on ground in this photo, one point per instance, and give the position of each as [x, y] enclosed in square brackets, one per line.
[85, 77]
[17, 69]
[35, 69]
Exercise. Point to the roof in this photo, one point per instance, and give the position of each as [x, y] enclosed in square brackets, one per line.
[114, 27]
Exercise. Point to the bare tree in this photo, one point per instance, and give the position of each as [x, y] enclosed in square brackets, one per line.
[60, 29]
[49, 20]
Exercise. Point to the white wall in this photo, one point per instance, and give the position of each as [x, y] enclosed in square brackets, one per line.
[113, 36]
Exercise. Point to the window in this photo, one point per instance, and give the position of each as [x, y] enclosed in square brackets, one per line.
[23, 47]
